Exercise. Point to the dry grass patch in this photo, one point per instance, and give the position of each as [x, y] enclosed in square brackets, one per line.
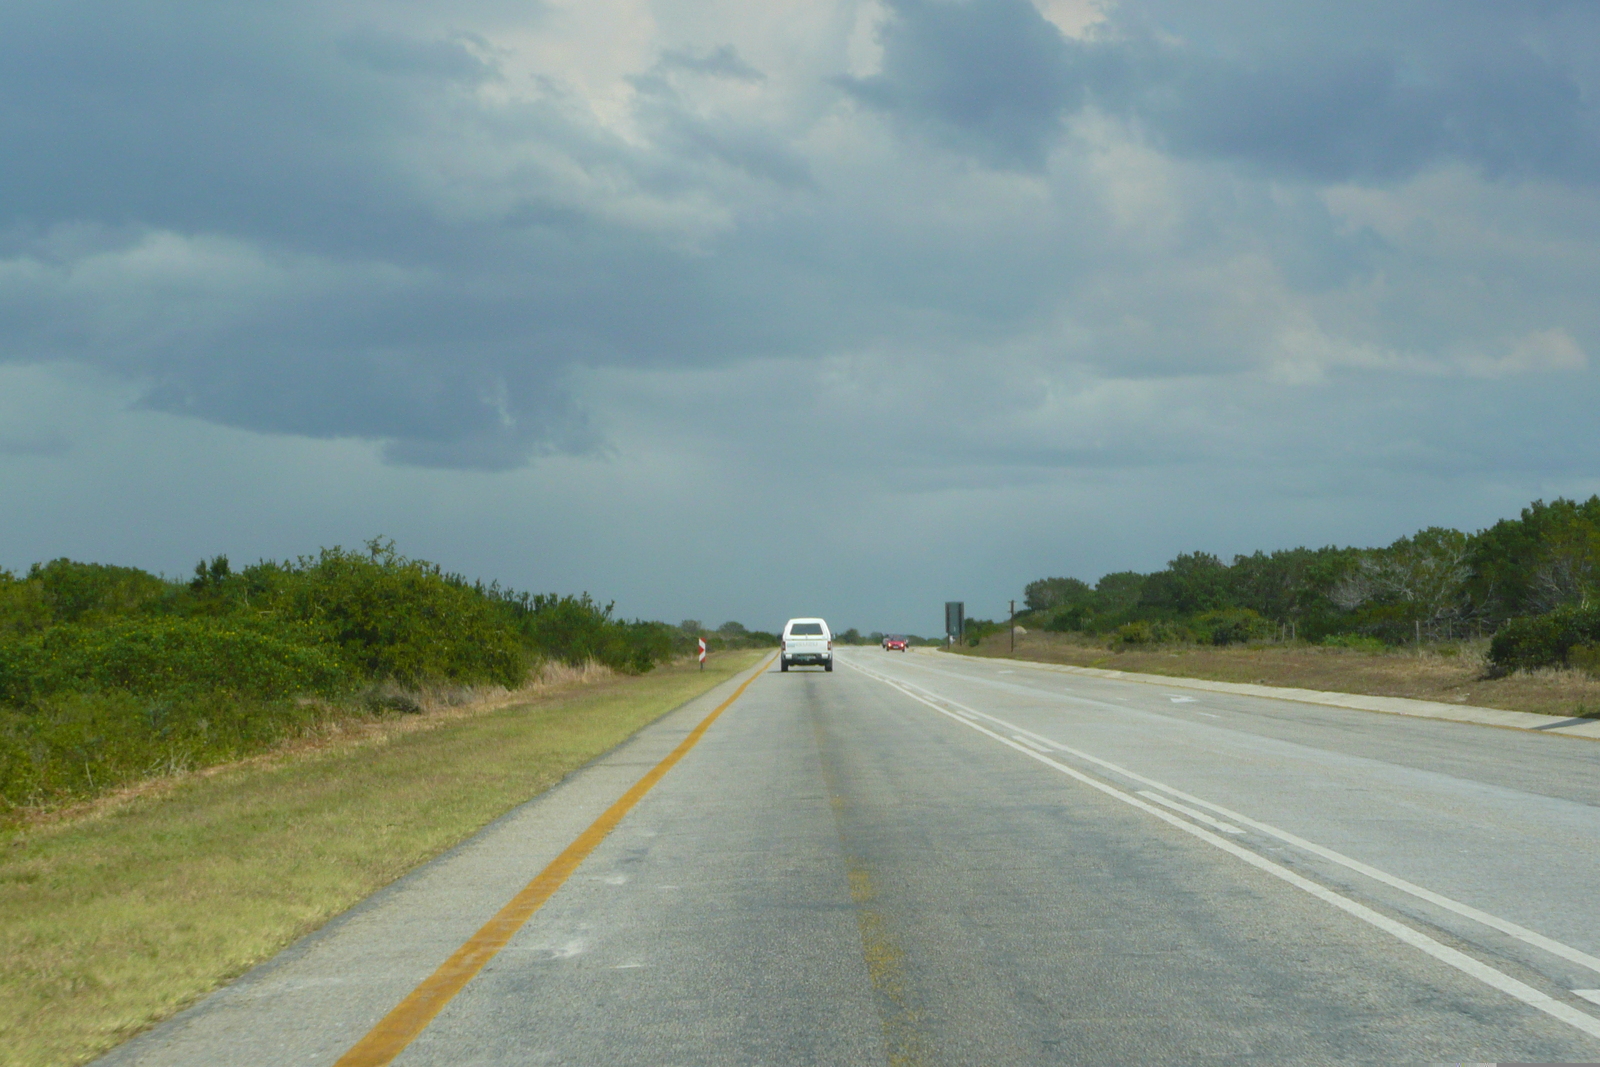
[1451, 674]
[129, 909]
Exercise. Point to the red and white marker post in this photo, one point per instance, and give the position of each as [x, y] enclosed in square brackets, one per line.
[702, 653]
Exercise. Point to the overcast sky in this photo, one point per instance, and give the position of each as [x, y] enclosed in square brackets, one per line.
[735, 310]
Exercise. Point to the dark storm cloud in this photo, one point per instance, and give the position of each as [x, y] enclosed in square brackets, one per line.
[190, 116]
[991, 77]
[366, 305]
[1367, 92]
[321, 219]
[1327, 92]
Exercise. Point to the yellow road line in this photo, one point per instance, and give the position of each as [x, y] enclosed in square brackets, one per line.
[413, 1014]
[885, 960]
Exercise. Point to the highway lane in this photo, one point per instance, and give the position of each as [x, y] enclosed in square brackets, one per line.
[927, 860]
[1505, 820]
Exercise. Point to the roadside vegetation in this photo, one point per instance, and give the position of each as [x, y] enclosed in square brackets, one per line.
[1507, 617]
[118, 912]
[1523, 595]
[110, 675]
[1448, 672]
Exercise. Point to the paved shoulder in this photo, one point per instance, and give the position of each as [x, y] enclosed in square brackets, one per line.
[321, 995]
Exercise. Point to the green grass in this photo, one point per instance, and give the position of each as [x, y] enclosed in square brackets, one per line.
[114, 920]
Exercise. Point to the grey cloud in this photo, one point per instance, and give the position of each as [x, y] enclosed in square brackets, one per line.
[753, 151]
[445, 312]
[685, 133]
[1363, 114]
[1333, 92]
[395, 53]
[197, 118]
[1325, 92]
[723, 61]
[47, 443]
[430, 413]
[365, 308]
[987, 76]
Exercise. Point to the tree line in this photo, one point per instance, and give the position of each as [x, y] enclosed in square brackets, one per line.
[1528, 583]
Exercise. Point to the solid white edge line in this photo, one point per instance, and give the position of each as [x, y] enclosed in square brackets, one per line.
[1505, 926]
[1441, 952]
[1588, 994]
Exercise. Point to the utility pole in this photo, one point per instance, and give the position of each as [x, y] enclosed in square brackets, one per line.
[1013, 627]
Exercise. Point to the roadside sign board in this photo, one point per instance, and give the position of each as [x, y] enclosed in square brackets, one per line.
[702, 652]
[955, 618]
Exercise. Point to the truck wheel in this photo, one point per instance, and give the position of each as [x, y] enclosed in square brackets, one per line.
[783, 664]
[828, 666]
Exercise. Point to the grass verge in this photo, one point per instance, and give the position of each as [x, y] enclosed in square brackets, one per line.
[117, 916]
[1451, 674]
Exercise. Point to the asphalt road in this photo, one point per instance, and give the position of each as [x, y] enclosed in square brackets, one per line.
[924, 859]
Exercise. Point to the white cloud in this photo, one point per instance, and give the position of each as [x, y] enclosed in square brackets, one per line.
[1074, 18]
[1543, 352]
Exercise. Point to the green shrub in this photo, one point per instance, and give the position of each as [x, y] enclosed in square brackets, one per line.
[393, 617]
[1354, 642]
[1586, 658]
[23, 607]
[575, 629]
[151, 655]
[77, 744]
[1135, 633]
[1233, 626]
[1070, 619]
[646, 644]
[110, 674]
[86, 592]
[1543, 640]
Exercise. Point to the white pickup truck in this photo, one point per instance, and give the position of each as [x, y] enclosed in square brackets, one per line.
[806, 641]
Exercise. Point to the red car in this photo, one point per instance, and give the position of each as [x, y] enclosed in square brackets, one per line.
[894, 643]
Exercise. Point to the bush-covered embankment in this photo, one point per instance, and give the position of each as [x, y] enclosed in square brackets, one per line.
[110, 674]
[1532, 584]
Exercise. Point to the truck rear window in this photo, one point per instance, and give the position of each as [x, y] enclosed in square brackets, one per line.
[806, 629]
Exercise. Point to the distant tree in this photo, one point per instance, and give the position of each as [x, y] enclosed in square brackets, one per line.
[691, 627]
[1119, 592]
[977, 629]
[1191, 583]
[1546, 558]
[851, 636]
[1046, 594]
[732, 629]
[1289, 584]
[1421, 579]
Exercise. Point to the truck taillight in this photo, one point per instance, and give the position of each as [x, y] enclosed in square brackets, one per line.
[830, 646]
